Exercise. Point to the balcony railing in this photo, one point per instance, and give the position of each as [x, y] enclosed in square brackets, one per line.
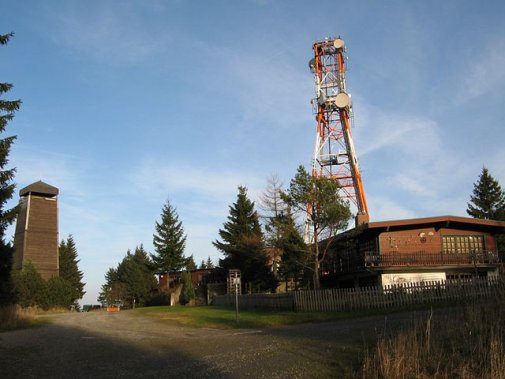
[423, 258]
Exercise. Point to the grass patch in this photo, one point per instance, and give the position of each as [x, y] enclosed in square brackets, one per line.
[224, 318]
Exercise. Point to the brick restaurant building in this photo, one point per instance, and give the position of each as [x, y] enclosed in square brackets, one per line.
[413, 250]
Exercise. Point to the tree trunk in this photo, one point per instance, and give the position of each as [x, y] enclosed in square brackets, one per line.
[317, 284]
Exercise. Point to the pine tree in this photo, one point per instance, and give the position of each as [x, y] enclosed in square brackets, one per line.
[136, 273]
[318, 197]
[169, 242]
[188, 291]
[108, 293]
[293, 250]
[202, 265]
[243, 247]
[488, 199]
[69, 270]
[7, 216]
[29, 286]
[209, 264]
[132, 282]
[190, 263]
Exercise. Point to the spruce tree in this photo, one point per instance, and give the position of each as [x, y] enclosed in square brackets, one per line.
[188, 291]
[243, 247]
[190, 263]
[7, 216]
[488, 199]
[69, 270]
[169, 242]
[293, 249]
[136, 273]
[209, 264]
[132, 282]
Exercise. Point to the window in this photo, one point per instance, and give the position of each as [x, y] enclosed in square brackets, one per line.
[463, 244]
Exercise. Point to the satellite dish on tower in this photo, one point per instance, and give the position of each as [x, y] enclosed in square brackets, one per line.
[343, 100]
[338, 43]
[312, 65]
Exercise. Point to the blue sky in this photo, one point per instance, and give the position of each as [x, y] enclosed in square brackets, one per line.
[129, 103]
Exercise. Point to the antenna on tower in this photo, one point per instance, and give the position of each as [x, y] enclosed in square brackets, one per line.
[334, 153]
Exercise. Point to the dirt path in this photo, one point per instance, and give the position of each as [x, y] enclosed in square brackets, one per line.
[124, 345]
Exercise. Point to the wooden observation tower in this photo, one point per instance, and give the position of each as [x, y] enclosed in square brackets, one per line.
[36, 236]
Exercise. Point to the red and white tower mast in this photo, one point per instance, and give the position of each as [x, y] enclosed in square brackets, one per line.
[334, 153]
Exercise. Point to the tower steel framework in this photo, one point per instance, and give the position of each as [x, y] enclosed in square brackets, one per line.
[334, 152]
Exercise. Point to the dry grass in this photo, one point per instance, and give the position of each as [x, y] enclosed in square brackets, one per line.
[465, 343]
[15, 317]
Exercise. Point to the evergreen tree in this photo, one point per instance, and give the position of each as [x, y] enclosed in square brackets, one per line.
[112, 290]
[169, 243]
[318, 197]
[132, 282]
[242, 245]
[69, 270]
[202, 265]
[29, 286]
[209, 264]
[190, 263]
[188, 291]
[59, 293]
[7, 216]
[488, 199]
[293, 250]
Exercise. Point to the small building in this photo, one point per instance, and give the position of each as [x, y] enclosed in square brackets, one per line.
[198, 277]
[414, 250]
[36, 235]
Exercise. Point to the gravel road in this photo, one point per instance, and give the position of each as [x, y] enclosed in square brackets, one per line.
[125, 345]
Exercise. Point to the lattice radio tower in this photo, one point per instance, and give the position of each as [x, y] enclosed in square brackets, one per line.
[334, 153]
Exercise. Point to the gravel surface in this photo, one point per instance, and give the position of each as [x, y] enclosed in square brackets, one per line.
[125, 345]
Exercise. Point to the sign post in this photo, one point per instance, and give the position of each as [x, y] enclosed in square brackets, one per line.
[234, 286]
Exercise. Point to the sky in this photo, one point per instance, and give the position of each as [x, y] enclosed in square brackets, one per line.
[128, 104]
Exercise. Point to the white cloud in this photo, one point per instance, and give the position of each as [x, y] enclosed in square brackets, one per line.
[210, 183]
[109, 33]
[384, 208]
[485, 72]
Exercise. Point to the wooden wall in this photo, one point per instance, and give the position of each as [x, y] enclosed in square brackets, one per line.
[36, 237]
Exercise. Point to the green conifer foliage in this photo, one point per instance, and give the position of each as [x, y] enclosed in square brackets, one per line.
[7, 216]
[209, 264]
[488, 199]
[243, 247]
[30, 287]
[190, 263]
[69, 270]
[169, 242]
[188, 291]
[132, 283]
[294, 258]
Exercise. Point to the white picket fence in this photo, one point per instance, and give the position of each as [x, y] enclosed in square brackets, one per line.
[348, 299]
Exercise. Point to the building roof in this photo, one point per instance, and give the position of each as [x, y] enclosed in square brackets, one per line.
[438, 221]
[454, 222]
[39, 188]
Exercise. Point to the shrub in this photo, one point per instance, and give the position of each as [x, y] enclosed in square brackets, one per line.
[162, 298]
[188, 292]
